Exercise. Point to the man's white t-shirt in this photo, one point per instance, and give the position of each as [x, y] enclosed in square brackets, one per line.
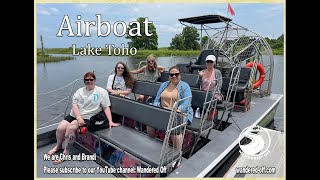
[90, 102]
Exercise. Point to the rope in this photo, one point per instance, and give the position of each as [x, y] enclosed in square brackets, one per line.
[53, 103]
[73, 82]
[58, 88]
[51, 119]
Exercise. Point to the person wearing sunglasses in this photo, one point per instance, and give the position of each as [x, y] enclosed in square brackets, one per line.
[211, 78]
[151, 73]
[120, 83]
[87, 102]
[169, 93]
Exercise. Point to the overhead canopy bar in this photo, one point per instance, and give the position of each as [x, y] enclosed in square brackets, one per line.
[207, 19]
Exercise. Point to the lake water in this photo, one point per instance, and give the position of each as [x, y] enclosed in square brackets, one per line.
[54, 82]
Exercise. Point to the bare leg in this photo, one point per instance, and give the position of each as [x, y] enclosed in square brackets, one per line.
[177, 140]
[151, 132]
[62, 127]
[70, 137]
[141, 98]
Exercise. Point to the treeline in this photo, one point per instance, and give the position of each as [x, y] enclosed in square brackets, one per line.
[186, 43]
[277, 45]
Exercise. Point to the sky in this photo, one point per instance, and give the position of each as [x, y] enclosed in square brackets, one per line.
[266, 19]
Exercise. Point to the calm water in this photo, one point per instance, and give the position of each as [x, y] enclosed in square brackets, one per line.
[54, 82]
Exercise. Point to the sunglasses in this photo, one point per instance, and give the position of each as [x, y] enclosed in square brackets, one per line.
[150, 61]
[120, 68]
[88, 80]
[174, 74]
[209, 61]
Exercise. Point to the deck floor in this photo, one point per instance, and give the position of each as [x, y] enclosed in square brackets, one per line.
[203, 161]
[223, 142]
[49, 164]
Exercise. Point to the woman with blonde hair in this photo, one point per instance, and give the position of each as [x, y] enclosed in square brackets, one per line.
[151, 72]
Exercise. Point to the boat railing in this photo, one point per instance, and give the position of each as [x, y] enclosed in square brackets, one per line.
[206, 117]
[174, 127]
[230, 85]
[66, 99]
[152, 151]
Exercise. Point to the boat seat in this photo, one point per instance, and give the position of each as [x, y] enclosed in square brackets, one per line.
[244, 78]
[224, 105]
[203, 55]
[146, 88]
[195, 125]
[243, 91]
[198, 100]
[190, 79]
[136, 143]
[198, 97]
[228, 89]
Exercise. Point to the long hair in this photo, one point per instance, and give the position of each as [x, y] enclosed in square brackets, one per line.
[128, 78]
[152, 68]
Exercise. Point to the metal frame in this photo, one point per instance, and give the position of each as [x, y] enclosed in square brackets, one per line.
[208, 105]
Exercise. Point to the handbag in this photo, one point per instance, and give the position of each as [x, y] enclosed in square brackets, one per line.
[97, 122]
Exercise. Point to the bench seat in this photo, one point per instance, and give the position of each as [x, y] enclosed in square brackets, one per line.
[140, 145]
[195, 125]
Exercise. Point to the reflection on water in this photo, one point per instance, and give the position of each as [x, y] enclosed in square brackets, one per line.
[59, 77]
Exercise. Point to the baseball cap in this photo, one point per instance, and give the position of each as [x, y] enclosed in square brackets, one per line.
[211, 57]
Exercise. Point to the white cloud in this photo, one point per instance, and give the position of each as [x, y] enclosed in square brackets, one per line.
[136, 9]
[54, 10]
[43, 10]
[82, 5]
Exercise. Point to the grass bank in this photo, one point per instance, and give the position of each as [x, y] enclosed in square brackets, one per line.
[161, 52]
[48, 58]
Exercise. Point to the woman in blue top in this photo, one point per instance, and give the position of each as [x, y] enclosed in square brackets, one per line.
[170, 92]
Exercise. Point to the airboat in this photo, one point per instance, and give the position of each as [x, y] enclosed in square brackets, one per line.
[246, 62]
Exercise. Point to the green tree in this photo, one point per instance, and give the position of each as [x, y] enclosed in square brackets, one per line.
[143, 41]
[191, 37]
[177, 42]
[187, 40]
[204, 39]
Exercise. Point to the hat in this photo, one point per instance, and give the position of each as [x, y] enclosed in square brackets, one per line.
[212, 58]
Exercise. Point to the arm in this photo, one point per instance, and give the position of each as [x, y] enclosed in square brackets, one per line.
[161, 68]
[75, 108]
[76, 112]
[109, 84]
[184, 105]
[126, 92]
[214, 82]
[139, 70]
[107, 111]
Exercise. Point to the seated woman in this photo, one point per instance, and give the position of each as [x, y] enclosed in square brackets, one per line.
[169, 93]
[151, 73]
[120, 83]
[211, 78]
[86, 103]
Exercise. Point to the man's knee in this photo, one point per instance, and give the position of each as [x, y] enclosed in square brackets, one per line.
[70, 138]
